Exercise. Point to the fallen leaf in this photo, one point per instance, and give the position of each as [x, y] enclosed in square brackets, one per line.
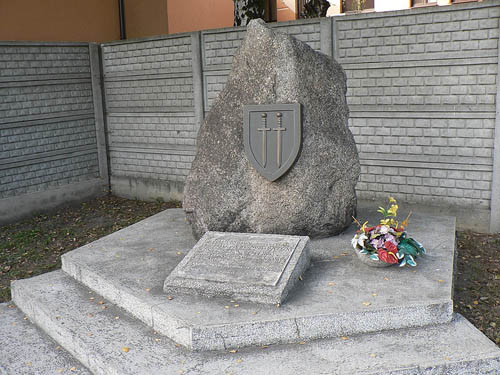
[440, 281]
[367, 303]
[29, 364]
[373, 355]
[148, 289]
[239, 360]
[227, 307]
[233, 351]
[170, 298]
[126, 349]
[345, 338]
[302, 343]
[73, 369]
[101, 302]
[331, 283]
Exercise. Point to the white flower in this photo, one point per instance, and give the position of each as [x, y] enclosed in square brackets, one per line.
[361, 240]
[354, 241]
[384, 229]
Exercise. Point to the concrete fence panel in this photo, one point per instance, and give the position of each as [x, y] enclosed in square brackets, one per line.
[49, 154]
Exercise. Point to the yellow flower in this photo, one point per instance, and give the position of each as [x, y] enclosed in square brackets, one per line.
[364, 226]
[392, 200]
[393, 211]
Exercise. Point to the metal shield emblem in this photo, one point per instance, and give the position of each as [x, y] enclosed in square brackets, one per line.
[272, 136]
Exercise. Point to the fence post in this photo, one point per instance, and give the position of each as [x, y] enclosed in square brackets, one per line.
[97, 87]
[495, 183]
[326, 37]
[197, 63]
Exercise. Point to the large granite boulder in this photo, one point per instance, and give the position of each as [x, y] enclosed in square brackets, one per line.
[316, 196]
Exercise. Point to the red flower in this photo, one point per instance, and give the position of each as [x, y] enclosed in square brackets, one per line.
[390, 246]
[386, 257]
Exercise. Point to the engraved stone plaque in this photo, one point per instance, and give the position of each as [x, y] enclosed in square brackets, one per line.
[272, 135]
[245, 266]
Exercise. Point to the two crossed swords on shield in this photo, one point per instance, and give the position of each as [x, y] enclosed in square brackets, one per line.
[264, 131]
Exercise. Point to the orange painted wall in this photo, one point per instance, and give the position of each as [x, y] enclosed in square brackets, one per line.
[284, 13]
[145, 18]
[59, 20]
[193, 15]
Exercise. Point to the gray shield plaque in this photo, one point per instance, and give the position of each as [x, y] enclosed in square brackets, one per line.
[272, 136]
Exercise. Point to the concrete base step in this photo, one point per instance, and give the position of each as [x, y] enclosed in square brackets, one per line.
[338, 295]
[108, 340]
[25, 349]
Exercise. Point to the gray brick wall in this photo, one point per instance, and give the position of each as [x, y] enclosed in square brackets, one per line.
[150, 108]
[156, 145]
[47, 127]
[422, 86]
[422, 90]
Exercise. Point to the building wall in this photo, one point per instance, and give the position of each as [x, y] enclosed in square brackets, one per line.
[54, 20]
[49, 151]
[146, 18]
[193, 15]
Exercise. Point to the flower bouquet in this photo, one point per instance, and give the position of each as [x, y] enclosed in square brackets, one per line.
[386, 243]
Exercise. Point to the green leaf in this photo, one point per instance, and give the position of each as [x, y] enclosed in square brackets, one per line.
[411, 262]
[417, 245]
[383, 211]
[369, 247]
[407, 248]
[374, 256]
[403, 263]
[364, 251]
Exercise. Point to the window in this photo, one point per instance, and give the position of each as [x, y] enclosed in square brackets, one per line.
[357, 5]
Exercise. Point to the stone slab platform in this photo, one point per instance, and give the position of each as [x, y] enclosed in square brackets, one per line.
[96, 332]
[26, 350]
[261, 268]
[339, 296]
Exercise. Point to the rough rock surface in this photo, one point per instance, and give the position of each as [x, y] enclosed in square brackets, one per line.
[316, 197]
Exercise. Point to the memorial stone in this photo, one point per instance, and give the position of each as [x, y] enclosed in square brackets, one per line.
[275, 154]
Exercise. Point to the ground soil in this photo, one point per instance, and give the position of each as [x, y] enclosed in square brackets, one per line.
[34, 246]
